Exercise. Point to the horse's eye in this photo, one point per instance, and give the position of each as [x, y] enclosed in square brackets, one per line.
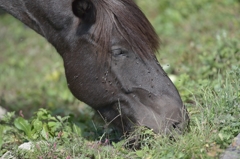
[117, 52]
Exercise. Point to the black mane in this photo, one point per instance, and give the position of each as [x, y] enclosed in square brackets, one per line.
[130, 22]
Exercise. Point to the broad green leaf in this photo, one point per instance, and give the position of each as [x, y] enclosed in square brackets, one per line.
[23, 125]
[38, 125]
[54, 126]
[51, 118]
[45, 132]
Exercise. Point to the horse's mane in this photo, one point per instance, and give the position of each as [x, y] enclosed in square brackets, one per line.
[130, 22]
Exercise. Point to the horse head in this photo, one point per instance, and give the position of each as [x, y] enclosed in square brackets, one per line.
[108, 50]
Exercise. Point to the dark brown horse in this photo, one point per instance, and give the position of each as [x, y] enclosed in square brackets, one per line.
[108, 49]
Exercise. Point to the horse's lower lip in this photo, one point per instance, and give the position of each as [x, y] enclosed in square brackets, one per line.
[160, 116]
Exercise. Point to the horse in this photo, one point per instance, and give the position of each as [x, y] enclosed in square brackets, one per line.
[108, 49]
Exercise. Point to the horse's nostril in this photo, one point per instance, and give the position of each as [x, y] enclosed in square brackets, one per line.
[178, 127]
[175, 125]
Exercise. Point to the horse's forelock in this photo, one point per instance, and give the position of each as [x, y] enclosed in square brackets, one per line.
[131, 23]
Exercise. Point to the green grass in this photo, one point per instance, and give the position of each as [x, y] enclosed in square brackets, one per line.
[200, 50]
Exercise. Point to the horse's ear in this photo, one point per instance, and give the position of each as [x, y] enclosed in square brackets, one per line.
[85, 10]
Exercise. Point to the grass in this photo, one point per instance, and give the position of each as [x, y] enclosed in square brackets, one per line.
[200, 51]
